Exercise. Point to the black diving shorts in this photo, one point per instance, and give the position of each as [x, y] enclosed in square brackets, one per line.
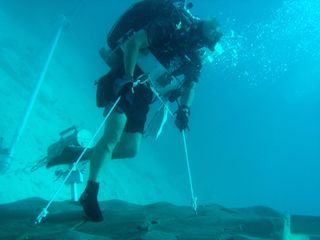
[136, 112]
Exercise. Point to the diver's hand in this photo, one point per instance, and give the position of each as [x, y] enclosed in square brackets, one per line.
[123, 85]
[182, 118]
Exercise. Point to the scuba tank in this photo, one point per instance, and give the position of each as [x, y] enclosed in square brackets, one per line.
[144, 12]
[135, 18]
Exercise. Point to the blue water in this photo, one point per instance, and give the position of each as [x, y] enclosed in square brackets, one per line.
[255, 132]
[255, 123]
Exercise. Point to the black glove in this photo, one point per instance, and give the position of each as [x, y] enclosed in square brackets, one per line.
[123, 87]
[182, 118]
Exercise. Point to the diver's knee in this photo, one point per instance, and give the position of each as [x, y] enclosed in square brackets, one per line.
[132, 152]
[125, 151]
[106, 145]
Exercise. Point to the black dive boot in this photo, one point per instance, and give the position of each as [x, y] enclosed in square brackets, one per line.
[89, 202]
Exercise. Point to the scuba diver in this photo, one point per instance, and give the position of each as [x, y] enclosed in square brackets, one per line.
[177, 39]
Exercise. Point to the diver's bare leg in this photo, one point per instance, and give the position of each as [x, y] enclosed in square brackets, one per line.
[103, 150]
[100, 157]
[128, 146]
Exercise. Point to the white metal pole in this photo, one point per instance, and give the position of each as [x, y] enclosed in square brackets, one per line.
[35, 93]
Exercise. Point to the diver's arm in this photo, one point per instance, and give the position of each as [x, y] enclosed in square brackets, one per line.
[187, 96]
[183, 112]
[131, 50]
